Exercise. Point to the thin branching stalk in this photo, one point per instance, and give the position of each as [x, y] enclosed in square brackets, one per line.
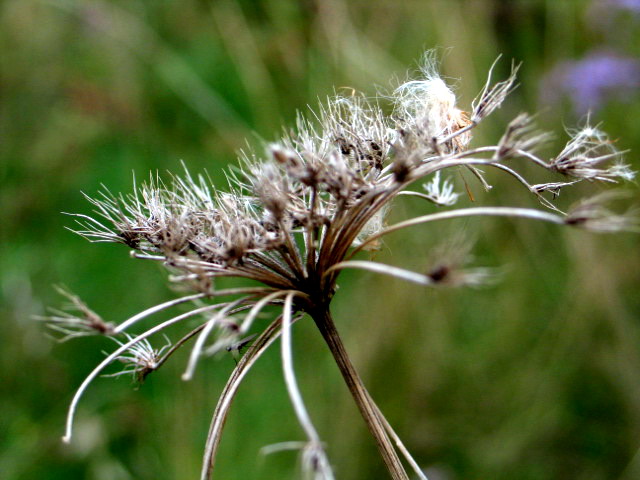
[199, 344]
[262, 343]
[320, 465]
[465, 212]
[155, 309]
[113, 356]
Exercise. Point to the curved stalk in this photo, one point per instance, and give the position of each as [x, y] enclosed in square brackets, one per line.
[465, 212]
[96, 371]
[270, 334]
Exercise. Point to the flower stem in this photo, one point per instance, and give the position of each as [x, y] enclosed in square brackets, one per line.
[324, 322]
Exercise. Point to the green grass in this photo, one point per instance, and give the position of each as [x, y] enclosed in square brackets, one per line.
[535, 378]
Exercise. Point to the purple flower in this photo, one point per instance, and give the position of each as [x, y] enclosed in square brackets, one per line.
[592, 81]
[633, 5]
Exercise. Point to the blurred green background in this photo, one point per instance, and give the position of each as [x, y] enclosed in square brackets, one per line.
[535, 378]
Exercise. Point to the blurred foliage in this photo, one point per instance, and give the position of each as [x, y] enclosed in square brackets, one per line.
[535, 378]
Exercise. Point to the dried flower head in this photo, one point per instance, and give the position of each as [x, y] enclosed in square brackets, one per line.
[300, 212]
[582, 156]
[75, 319]
[140, 359]
[594, 214]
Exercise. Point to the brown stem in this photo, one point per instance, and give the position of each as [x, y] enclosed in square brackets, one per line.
[324, 322]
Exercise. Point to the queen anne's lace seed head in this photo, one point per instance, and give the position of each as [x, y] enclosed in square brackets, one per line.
[520, 136]
[76, 319]
[303, 206]
[586, 151]
[140, 359]
[593, 213]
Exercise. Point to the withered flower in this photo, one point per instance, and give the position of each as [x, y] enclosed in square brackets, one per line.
[300, 213]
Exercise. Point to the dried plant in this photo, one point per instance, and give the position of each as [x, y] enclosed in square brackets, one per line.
[292, 221]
